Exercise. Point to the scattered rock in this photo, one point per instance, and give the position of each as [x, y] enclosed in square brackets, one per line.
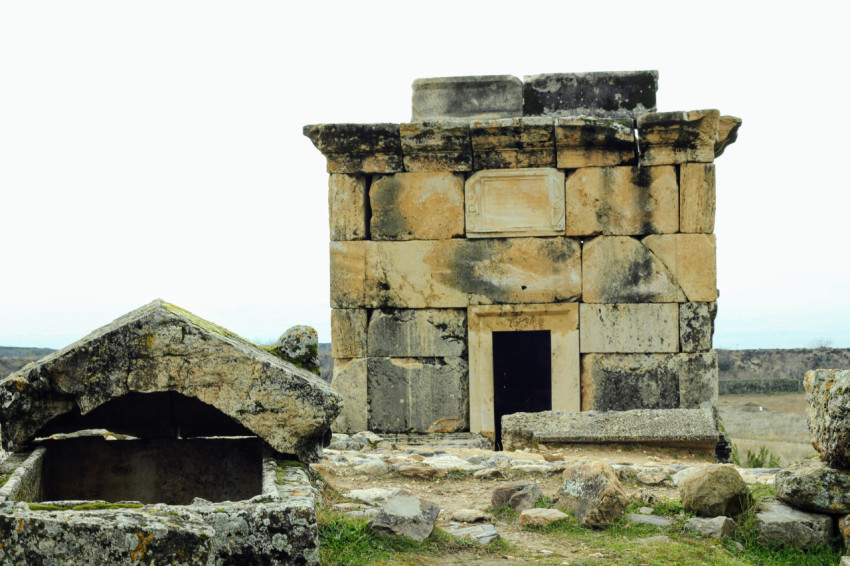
[646, 511]
[592, 492]
[714, 491]
[660, 539]
[539, 469]
[682, 474]
[649, 520]
[651, 476]
[367, 438]
[518, 495]
[541, 517]
[779, 525]
[375, 495]
[372, 467]
[716, 527]
[481, 534]
[406, 515]
[470, 516]
[646, 496]
[845, 561]
[421, 472]
[449, 462]
[489, 474]
[812, 485]
[827, 399]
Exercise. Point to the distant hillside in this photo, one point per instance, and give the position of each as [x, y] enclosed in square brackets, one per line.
[763, 371]
[13, 359]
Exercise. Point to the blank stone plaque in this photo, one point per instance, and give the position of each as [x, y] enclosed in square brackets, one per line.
[504, 203]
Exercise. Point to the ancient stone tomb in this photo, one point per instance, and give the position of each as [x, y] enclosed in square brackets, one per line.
[163, 437]
[522, 247]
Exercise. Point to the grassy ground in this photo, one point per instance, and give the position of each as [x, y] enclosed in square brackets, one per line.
[776, 422]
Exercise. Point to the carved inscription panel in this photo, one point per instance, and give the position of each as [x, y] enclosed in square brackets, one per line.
[515, 202]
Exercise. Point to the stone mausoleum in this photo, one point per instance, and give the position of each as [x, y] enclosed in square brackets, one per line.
[526, 246]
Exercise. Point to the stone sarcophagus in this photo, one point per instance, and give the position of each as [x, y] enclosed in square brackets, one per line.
[523, 246]
[161, 438]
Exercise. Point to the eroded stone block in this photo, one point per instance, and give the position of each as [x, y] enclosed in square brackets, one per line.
[512, 143]
[349, 380]
[727, 133]
[619, 269]
[515, 202]
[629, 328]
[619, 94]
[696, 326]
[677, 137]
[348, 333]
[692, 259]
[697, 198]
[358, 148]
[417, 333]
[347, 207]
[585, 141]
[697, 380]
[622, 201]
[417, 206]
[418, 394]
[453, 98]
[622, 382]
[436, 146]
[454, 273]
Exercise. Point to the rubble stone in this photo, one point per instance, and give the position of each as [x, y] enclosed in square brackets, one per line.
[541, 517]
[677, 137]
[623, 94]
[417, 206]
[692, 258]
[405, 515]
[828, 414]
[586, 141]
[780, 525]
[482, 534]
[436, 146]
[417, 332]
[592, 492]
[812, 485]
[519, 496]
[714, 491]
[629, 328]
[468, 98]
[697, 198]
[716, 527]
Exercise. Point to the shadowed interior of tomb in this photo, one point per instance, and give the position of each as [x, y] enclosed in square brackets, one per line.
[164, 414]
[171, 471]
[522, 374]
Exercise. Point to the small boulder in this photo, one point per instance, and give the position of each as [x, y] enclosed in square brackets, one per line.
[371, 467]
[300, 346]
[375, 495]
[592, 492]
[489, 474]
[541, 517]
[649, 520]
[482, 534]
[470, 516]
[646, 496]
[406, 515]
[812, 485]
[828, 414]
[779, 524]
[716, 527]
[652, 476]
[714, 491]
[518, 495]
[421, 472]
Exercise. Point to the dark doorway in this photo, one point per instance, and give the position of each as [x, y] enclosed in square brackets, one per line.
[522, 374]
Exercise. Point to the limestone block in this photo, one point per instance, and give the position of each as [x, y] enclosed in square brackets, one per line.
[727, 133]
[349, 380]
[348, 333]
[348, 274]
[416, 394]
[436, 146]
[622, 201]
[417, 206]
[677, 137]
[417, 332]
[347, 207]
[586, 141]
[480, 98]
[622, 382]
[620, 269]
[696, 326]
[454, 273]
[358, 148]
[513, 143]
[629, 328]
[623, 94]
[827, 399]
[697, 380]
[696, 198]
[515, 202]
[692, 258]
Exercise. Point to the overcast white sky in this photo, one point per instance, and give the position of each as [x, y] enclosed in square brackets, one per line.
[154, 149]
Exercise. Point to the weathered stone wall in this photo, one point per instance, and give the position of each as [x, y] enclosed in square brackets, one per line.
[611, 207]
